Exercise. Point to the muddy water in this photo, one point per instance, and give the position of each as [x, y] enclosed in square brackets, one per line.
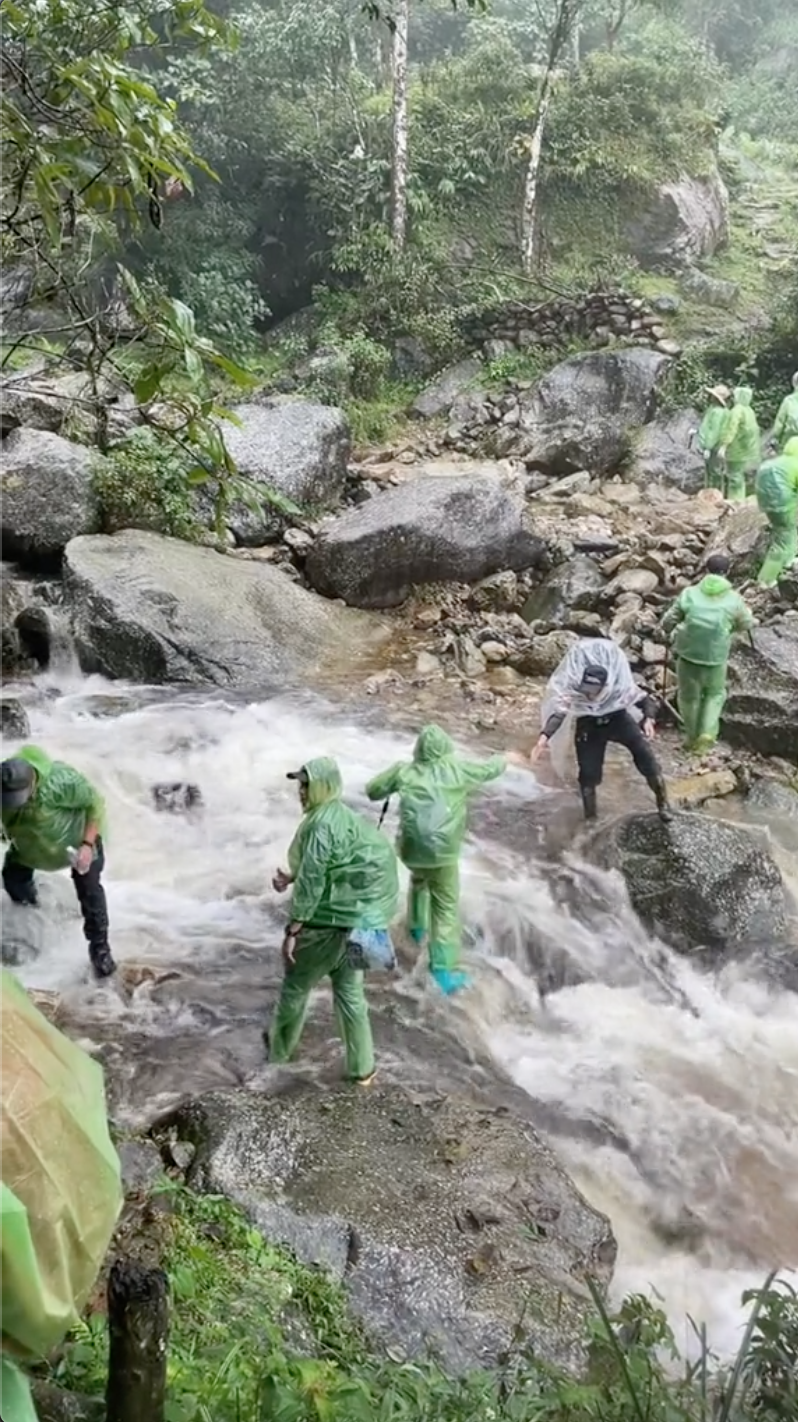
[672, 1097]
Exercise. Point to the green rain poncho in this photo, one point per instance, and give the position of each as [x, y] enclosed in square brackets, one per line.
[710, 431]
[433, 791]
[742, 442]
[777, 496]
[54, 819]
[344, 869]
[61, 1188]
[786, 426]
[706, 617]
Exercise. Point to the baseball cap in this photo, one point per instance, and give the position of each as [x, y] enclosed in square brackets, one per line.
[18, 780]
[594, 675]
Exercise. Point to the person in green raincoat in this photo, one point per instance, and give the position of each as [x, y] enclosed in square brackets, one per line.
[740, 448]
[61, 1192]
[54, 819]
[786, 425]
[777, 496]
[710, 435]
[345, 876]
[434, 789]
[705, 617]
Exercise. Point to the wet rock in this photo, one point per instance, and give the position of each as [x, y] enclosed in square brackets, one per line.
[544, 654]
[141, 1164]
[576, 584]
[639, 581]
[439, 1215]
[176, 798]
[46, 495]
[439, 396]
[14, 723]
[498, 593]
[761, 712]
[694, 790]
[435, 530]
[581, 415]
[699, 882]
[663, 453]
[771, 798]
[468, 658]
[427, 664]
[299, 449]
[11, 604]
[577, 483]
[152, 609]
[686, 220]
[742, 533]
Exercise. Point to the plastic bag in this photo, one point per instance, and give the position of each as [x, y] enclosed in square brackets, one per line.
[371, 950]
[61, 1179]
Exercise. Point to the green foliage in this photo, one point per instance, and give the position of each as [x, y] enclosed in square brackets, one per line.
[257, 1336]
[143, 483]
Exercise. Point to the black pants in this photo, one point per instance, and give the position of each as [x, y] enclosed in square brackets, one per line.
[18, 884]
[593, 735]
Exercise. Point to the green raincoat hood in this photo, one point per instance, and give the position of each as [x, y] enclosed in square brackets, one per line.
[433, 744]
[714, 585]
[743, 395]
[324, 781]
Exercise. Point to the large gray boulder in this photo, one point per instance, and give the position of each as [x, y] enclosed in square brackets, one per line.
[664, 453]
[686, 220]
[154, 609]
[439, 1215]
[583, 413]
[701, 883]
[742, 533]
[299, 449]
[63, 403]
[440, 395]
[46, 495]
[761, 712]
[436, 530]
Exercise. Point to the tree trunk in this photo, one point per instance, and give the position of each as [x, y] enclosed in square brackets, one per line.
[399, 155]
[138, 1329]
[529, 222]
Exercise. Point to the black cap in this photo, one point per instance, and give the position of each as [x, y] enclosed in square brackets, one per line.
[18, 780]
[594, 675]
[718, 563]
[300, 774]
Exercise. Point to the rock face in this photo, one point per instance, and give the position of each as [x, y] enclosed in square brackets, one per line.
[439, 1217]
[297, 448]
[36, 399]
[156, 610]
[700, 882]
[46, 495]
[428, 531]
[14, 721]
[663, 453]
[439, 396]
[761, 712]
[743, 534]
[581, 415]
[594, 319]
[688, 219]
[575, 584]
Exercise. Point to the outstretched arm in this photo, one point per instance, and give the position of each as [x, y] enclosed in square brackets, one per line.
[385, 784]
[479, 772]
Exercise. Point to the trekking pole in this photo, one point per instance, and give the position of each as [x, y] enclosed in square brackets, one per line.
[384, 812]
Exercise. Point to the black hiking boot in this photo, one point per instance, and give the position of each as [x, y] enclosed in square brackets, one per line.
[661, 796]
[103, 965]
[589, 802]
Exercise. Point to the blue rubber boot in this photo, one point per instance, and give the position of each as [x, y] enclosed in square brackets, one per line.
[450, 981]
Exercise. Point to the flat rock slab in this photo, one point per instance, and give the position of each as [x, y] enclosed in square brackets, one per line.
[442, 1218]
[153, 609]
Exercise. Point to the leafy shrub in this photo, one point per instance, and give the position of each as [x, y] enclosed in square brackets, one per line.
[144, 483]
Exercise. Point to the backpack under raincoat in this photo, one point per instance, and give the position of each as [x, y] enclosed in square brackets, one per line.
[777, 481]
[433, 791]
[344, 869]
[706, 617]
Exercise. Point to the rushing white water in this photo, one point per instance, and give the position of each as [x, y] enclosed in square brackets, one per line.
[681, 1124]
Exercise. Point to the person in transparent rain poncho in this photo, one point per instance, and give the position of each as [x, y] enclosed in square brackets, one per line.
[594, 684]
